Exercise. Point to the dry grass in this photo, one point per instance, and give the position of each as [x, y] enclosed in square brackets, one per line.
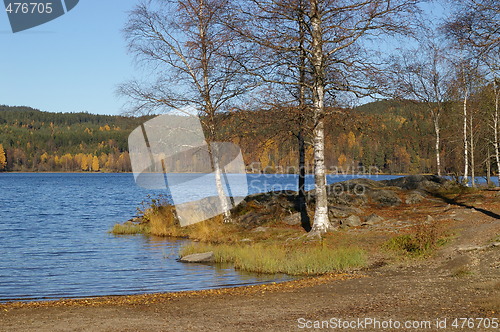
[162, 221]
[311, 259]
[129, 228]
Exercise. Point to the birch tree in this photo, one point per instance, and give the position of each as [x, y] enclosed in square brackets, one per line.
[424, 75]
[336, 59]
[467, 82]
[186, 48]
[342, 63]
[476, 25]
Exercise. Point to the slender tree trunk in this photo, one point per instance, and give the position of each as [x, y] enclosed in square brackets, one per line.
[496, 126]
[488, 168]
[218, 183]
[214, 154]
[472, 161]
[437, 131]
[466, 146]
[302, 205]
[321, 223]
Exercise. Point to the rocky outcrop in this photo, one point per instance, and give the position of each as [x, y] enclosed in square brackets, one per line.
[384, 197]
[418, 182]
[258, 209]
[345, 201]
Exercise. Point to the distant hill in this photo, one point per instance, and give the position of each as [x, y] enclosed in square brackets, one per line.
[392, 136]
[41, 141]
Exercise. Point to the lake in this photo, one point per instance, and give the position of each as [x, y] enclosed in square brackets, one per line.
[55, 243]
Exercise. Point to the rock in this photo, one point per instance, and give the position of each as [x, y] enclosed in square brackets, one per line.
[205, 257]
[336, 213]
[413, 182]
[414, 198]
[385, 198]
[344, 199]
[293, 219]
[351, 221]
[260, 229]
[373, 219]
[341, 212]
[429, 219]
[252, 219]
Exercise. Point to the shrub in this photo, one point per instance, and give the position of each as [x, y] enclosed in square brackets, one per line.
[421, 241]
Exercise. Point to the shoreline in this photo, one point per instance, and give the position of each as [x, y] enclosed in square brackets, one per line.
[152, 298]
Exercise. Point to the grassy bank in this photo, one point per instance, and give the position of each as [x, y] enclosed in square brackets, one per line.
[277, 249]
[310, 259]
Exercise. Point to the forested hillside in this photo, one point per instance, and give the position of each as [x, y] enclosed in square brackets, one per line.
[40, 141]
[389, 136]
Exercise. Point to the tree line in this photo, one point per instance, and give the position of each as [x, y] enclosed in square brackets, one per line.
[32, 140]
[391, 137]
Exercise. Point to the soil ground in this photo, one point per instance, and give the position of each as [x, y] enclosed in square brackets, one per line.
[460, 281]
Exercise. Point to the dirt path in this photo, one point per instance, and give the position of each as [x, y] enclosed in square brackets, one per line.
[457, 283]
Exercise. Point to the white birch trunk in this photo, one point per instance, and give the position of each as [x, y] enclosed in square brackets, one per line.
[466, 146]
[321, 223]
[220, 188]
[472, 161]
[437, 131]
[496, 125]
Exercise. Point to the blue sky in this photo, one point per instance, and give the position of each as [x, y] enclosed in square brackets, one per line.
[75, 62]
[70, 64]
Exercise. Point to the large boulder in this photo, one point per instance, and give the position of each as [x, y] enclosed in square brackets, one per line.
[258, 209]
[293, 219]
[205, 257]
[414, 198]
[372, 219]
[351, 221]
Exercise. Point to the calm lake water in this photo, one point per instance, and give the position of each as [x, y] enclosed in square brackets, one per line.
[54, 239]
